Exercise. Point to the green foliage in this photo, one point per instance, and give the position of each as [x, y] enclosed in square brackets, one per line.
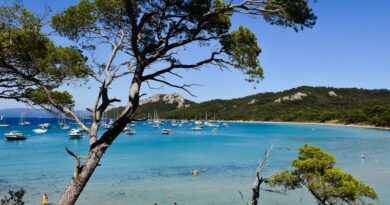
[314, 169]
[290, 13]
[14, 198]
[74, 20]
[241, 46]
[373, 107]
[39, 97]
[29, 60]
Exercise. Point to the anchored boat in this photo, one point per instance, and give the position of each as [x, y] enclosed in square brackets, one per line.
[39, 131]
[75, 134]
[15, 135]
[166, 131]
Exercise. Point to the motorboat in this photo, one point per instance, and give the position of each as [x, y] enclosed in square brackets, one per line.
[197, 128]
[39, 131]
[65, 127]
[129, 131]
[166, 131]
[44, 125]
[75, 134]
[15, 135]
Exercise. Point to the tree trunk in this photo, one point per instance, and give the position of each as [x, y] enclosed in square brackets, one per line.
[82, 174]
[81, 177]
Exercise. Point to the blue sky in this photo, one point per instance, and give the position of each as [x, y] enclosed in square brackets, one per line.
[349, 47]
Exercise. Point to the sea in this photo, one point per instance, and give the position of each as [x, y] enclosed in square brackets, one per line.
[151, 168]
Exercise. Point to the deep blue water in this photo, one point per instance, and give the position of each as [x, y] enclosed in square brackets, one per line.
[149, 168]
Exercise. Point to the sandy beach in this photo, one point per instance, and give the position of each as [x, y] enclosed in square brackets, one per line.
[311, 123]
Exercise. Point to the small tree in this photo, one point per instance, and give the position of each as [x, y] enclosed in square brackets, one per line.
[314, 169]
[14, 198]
[149, 37]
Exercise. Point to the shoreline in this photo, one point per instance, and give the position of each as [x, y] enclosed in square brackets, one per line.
[310, 123]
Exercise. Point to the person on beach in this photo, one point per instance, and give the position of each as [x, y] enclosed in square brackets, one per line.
[44, 199]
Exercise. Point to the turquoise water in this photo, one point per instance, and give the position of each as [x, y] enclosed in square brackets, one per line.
[149, 168]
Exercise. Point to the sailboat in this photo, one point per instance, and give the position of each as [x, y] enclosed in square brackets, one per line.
[156, 121]
[63, 124]
[104, 122]
[2, 124]
[23, 122]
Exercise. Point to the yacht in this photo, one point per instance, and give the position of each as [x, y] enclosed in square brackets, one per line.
[166, 131]
[75, 134]
[15, 135]
[39, 131]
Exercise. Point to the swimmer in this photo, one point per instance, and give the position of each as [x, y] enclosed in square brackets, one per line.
[195, 172]
[44, 199]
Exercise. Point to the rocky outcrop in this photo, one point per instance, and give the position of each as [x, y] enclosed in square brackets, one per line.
[167, 98]
[296, 96]
[253, 101]
[332, 93]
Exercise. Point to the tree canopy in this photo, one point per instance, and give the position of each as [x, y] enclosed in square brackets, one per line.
[315, 170]
[31, 65]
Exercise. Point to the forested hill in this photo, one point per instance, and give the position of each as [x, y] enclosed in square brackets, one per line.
[302, 104]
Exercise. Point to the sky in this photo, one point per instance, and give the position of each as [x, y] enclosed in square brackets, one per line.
[348, 47]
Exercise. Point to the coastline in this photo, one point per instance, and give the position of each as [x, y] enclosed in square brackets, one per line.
[311, 123]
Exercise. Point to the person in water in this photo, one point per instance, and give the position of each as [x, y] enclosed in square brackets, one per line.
[195, 172]
[45, 199]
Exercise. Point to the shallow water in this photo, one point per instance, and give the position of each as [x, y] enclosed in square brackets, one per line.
[149, 168]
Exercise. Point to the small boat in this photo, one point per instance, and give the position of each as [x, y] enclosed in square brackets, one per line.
[75, 134]
[39, 131]
[198, 122]
[44, 125]
[166, 131]
[214, 129]
[210, 124]
[23, 122]
[132, 124]
[15, 135]
[2, 124]
[105, 126]
[197, 128]
[129, 131]
[65, 127]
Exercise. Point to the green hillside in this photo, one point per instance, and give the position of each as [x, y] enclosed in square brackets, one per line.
[302, 104]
